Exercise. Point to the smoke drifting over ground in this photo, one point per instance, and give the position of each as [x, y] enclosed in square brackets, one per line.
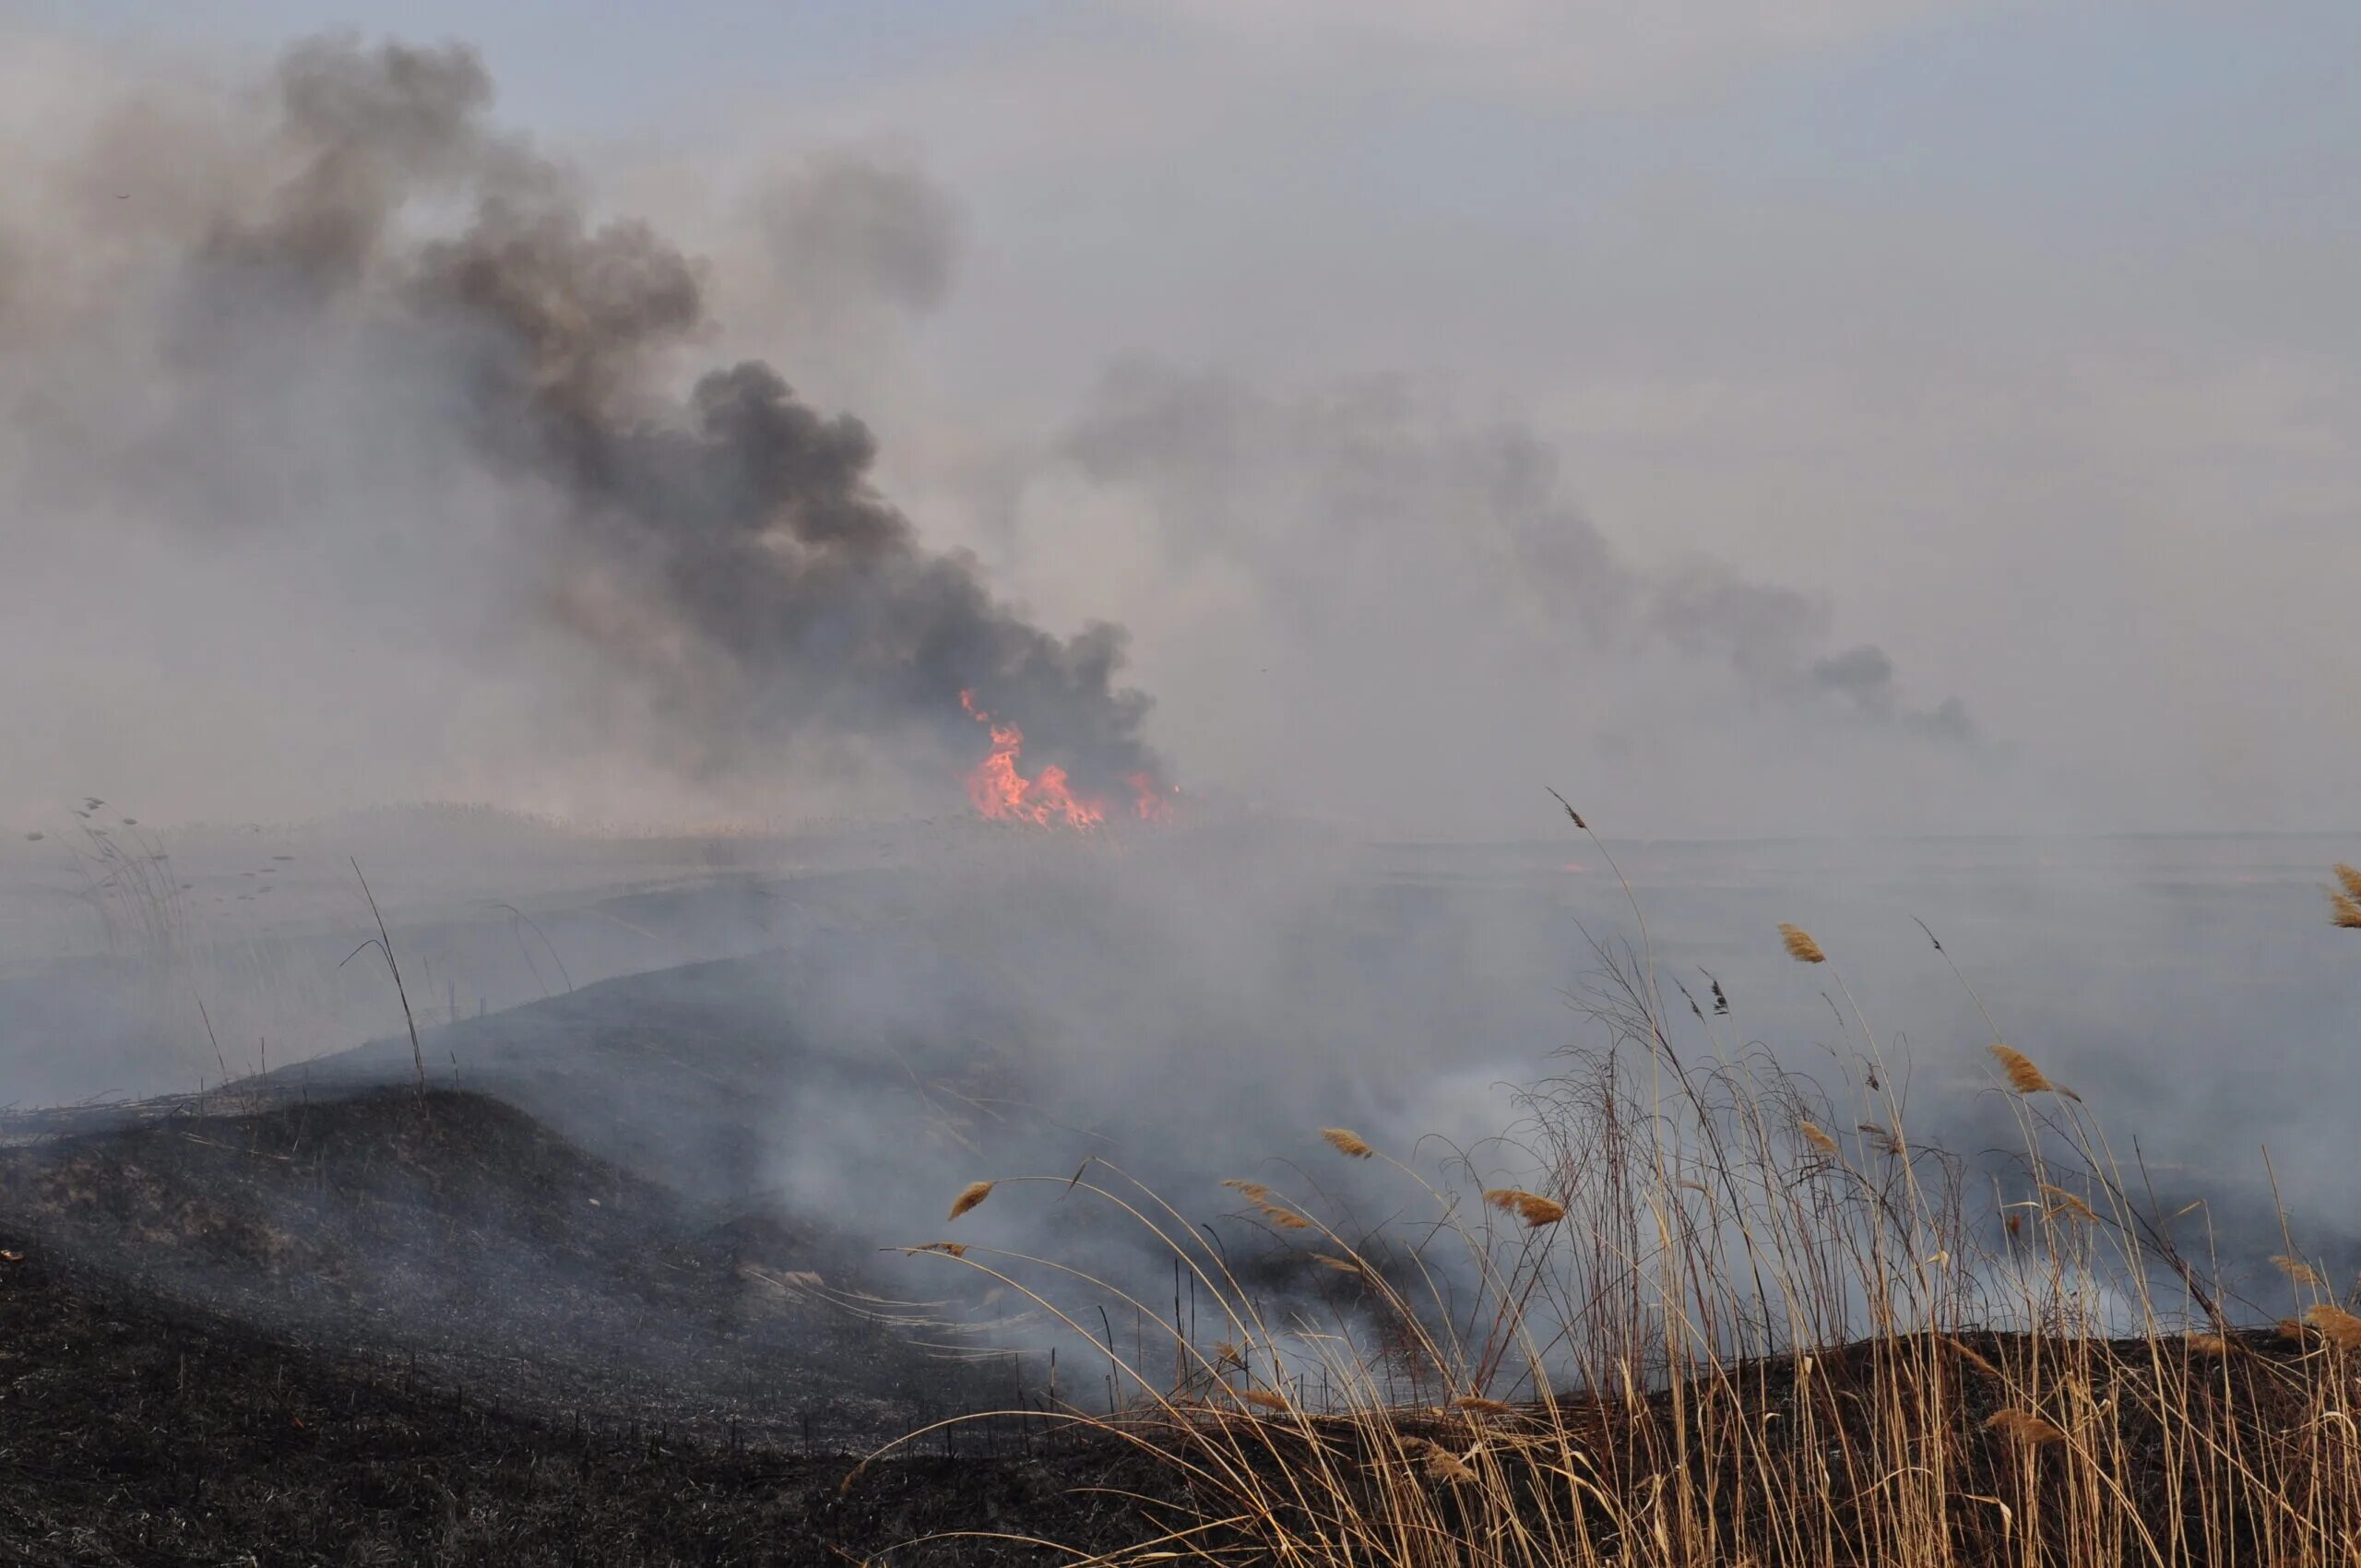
[349, 327]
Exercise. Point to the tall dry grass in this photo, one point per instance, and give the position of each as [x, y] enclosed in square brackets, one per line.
[1707, 1323]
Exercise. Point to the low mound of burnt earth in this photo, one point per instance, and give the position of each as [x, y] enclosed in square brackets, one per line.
[137, 1429]
[452, 1234]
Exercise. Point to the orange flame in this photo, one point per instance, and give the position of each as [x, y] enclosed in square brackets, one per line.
[1004, 794]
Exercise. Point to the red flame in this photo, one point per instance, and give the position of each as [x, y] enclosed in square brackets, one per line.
[1002, 793]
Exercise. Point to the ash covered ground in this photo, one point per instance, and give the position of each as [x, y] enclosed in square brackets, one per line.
[629, 1270]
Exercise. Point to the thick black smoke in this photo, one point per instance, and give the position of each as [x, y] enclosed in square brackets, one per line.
[723, 551]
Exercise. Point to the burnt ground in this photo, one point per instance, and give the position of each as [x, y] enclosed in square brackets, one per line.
[404, 1329]
[395, 1329]
[461, 1236]
[137, 1429]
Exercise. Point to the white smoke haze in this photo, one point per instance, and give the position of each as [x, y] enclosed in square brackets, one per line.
[360, 448]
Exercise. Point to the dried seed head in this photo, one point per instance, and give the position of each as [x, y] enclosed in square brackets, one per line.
[1286, 1219]
[2023, 1076]
[1817, 1138]
[2341, 1327]
[1340, 1265]
[1226, 1353]
[2297, 1270]
[969, 1196]
[1800, 946]
[1442, 1464]
[1252, 1192]
[1263, 1398]
[2208, 1344]
[1483, 1406]
[1882, 1139]
[1346, 1142]
[955, 1249]
[2345, 909]
[2024, 1428]
[2065, 1202]
[2349, 878]
[1531, 1207]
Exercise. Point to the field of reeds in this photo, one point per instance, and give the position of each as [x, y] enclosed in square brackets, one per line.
[1700, 1308]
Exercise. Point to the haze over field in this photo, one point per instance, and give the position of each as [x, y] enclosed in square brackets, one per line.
[1240, 449]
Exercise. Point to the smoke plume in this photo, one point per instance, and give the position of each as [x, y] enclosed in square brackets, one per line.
[357, 318]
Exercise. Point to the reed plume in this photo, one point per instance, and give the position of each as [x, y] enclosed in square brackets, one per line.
[969, 1196]
[2350, 878]
[2297, 1270]
[2341, 1327]
[2024, 1428]
[1263, 1398]
[1252, 1192]
[2023, 1076]
[2345, 909]
[1531, 1207]
[1478, 1405]
[1346, 1142]
[1442, 1464]
[1800, 946]
[2067, 1203]
[1818, 1138]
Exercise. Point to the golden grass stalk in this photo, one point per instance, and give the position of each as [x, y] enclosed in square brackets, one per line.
[1800, 946]
[2345, 909]
[2023, 1428]
[1971, 1357]
[2350, 878]
[2023, 1076]
[2341, 1327]
[1341, 1265]
[1345, 1141]
[1818, 1137]
[1252, 1192]
[1483, 1406]
[1285, 1218]
[969, 1196]
[1531, 1207]
[1263, 1398]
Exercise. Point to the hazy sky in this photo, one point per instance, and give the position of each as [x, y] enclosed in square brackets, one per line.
[1449, 398]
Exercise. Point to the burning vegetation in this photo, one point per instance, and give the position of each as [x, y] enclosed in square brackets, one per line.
[1002, 794]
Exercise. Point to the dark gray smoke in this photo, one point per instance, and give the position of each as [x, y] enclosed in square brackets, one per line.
[720, 550]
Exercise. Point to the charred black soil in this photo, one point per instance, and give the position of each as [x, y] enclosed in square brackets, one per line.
[396, 1328]
[135, 1429]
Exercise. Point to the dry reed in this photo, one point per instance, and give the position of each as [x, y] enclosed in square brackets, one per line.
[969, 1196]
[2023, 1076]
[1531, 1207]
[1800, 946]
